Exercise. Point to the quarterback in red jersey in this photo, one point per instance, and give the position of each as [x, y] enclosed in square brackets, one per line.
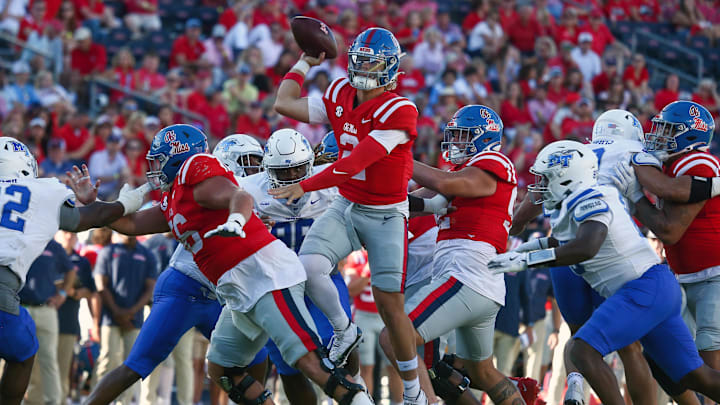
[375, 130]
[680, 137]
[464, 295]
[259, 278]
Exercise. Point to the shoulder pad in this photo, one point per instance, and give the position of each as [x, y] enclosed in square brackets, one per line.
[583, 196]
[646, 159]
[588, 208]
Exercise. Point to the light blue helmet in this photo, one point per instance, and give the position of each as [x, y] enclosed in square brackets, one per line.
[374, 59]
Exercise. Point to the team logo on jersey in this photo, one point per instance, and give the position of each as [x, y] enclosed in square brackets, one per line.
[338, 111]
[562, 159]
[348, 127]
[177, 147]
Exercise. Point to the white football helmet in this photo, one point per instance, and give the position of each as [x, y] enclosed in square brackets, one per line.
[16, 159]
[236, 150]
[561, 168]
[288, 158]
[617, 124]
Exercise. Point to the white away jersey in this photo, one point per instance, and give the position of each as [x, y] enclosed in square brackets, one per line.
[292, 222]
[624, 255]
[30, 217]
[611, 151]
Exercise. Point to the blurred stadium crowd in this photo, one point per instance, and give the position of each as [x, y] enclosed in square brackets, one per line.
[92, 81]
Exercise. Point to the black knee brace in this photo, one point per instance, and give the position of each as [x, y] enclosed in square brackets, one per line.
[237, 392]
[450, 359]
[440, 379]
[338, 377]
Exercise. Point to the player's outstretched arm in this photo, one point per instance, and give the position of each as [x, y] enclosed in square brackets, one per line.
[670, 222]
[588, 240]
[219, 193]
[524, 213]
[647, 171]
[143, 222]
[288, 101]
[682, 189]
[470, 182]
[367, 152]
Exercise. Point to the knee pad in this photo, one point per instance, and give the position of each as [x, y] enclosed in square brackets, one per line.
[440, 379]
[666, 383]
[316, 264]
[237, 392]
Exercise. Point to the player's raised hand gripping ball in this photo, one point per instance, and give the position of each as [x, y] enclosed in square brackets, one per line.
[314, 37]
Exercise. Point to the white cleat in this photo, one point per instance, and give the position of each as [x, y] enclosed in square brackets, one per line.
[420, 399]
[343, 343]
[575, 394]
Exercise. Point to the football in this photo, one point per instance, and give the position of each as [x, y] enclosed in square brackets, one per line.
[314, 36]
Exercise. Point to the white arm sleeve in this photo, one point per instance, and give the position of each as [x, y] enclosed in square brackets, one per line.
[389, 138]
[316, 111]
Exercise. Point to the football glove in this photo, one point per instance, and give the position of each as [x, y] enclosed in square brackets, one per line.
[232, 227]
[626, 182]
[132, 198]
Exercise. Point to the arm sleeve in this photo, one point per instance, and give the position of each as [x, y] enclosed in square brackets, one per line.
[69, 217]
[367, 152]
[317, 113]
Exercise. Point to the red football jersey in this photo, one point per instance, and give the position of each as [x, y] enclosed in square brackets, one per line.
[417, 226]
[698, 248]
[189, 221]
[358, 262]
[487, 219]
[385, 181]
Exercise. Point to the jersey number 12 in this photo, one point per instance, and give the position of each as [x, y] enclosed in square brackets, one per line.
[18, 203]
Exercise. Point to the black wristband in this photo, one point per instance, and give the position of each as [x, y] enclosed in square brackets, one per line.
[700, 189]
[417, 204]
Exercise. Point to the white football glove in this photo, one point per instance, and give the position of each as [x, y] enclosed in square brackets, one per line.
[132, 198]
[232, 227]
[510, 262]
[534, 244]
[437, 205]
[626, 182]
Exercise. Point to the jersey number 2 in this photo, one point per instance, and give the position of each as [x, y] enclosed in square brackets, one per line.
[347, 139]
[10, 218]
